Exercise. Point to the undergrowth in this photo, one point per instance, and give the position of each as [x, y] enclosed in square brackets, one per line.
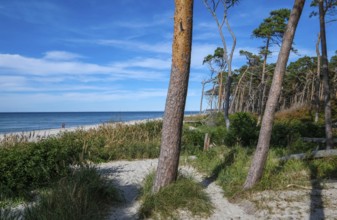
[82, 195]
[184, 195]
[229, 167]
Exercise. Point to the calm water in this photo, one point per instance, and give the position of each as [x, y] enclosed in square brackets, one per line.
[18, 122]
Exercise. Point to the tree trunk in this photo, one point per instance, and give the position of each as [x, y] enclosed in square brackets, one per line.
[202, 95]
[325, 73]
[220, 91]
[175, 102]
[260, 156]
[263, 83]
[226, 103]
[318, 78]
[236, 91]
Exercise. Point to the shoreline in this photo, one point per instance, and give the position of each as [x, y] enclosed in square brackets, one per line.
[37, 135]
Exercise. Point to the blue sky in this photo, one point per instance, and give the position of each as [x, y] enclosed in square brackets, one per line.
[103, 55]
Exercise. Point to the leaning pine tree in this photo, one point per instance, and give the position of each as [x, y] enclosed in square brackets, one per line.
[261, 152]
[175, 102]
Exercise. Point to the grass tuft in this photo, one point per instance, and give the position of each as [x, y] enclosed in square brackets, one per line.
[185, 194]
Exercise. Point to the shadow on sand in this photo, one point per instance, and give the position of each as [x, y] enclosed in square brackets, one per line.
[129, 194]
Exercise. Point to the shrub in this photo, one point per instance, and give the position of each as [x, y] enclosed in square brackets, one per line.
[289, 133]
[243, 130]
[32, 165]
[192, 140]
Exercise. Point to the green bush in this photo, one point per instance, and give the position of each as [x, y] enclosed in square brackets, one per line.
[192, 140]
[242, 130]
[27, 166]
[289, 133]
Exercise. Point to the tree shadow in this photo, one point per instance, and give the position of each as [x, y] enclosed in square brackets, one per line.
[129, 194]
[228, 161]
[316, 198]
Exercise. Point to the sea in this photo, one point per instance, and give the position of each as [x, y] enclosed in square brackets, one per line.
[33, 121]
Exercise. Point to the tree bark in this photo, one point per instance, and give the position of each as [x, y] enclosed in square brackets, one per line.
[236, 91]
[202, 95]
[318, 78]
[263, 83]
[176, 98]
[260, 156]
[325, 73]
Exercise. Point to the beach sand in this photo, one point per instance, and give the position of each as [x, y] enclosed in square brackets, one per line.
[128, 176]
[295, 203]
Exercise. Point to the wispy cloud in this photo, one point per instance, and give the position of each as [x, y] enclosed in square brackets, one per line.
[61, 56]
[63, 64]
[163, 47]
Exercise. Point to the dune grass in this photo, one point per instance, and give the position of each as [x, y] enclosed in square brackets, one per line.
[184, 195]
[229, 167]
[82, 195]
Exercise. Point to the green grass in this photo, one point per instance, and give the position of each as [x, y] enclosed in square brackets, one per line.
[184, 194]
[229, 166]
[118, 141]
[82, 195]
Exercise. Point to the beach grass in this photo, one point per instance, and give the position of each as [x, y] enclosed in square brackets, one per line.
[84, 194]
[228, 166]
[185, 195]
[27, 167]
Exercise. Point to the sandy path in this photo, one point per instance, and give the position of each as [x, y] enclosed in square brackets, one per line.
[128, 177]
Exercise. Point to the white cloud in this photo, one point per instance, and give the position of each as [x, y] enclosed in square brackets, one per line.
[150, 63]
[135, 45]
[117, 71]
[61, 56]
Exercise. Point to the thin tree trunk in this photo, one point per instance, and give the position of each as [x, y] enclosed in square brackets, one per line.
[260, 156]
[236, 90]
[202, 95]
[220, 90]
[175, 102]
[263, 83]
[318, 77]
[242, 99]
[229, 76]
[226, 103]
[325, 73]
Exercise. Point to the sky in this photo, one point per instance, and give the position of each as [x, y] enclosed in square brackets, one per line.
[103, 55]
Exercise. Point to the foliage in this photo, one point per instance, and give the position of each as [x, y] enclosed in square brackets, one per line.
[26, 166]
[243, 130]
[329, 7]
[119, 141]
[230, 167]
[30, 165]
[235, 169]
[286, 133]
[211, 161]
[82, 195]
[273, 27]
[192, 140]
[184, 194]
